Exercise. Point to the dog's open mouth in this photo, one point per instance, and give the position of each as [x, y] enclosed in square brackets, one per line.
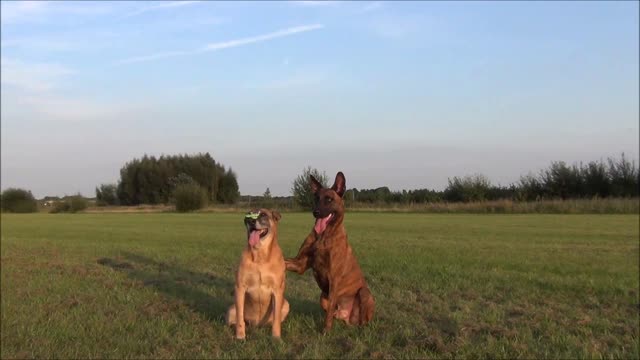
[321, 223]
[255, 235]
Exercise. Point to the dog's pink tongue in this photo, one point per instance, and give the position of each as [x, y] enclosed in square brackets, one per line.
[321, 224]
[254, 237]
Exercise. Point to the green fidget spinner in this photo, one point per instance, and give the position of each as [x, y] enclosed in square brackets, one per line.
[252, 215]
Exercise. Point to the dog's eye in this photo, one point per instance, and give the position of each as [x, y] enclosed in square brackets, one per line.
[328, 199]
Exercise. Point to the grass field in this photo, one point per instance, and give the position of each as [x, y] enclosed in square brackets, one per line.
[481, 286]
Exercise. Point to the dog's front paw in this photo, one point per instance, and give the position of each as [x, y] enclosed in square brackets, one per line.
[326, 330]
[240, 334]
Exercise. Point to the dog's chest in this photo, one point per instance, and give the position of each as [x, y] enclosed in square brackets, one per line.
[259, 282]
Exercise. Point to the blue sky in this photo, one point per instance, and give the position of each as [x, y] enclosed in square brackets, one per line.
[403, 94]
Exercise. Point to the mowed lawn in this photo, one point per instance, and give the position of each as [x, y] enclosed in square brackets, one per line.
[481, 286]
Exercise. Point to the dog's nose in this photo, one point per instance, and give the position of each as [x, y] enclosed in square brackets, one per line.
[316, 213]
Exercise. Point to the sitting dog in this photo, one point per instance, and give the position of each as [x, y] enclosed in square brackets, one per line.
[259, 291]
[345, 294]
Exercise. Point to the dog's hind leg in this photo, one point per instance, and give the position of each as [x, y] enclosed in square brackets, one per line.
[354, 317]
[285, 309]
[231, 315]
[366, 305]
[324, 301]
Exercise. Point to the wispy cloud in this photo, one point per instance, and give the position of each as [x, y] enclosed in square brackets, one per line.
[33, 86]
[224, 44]
[13, 12]
[161, 6]
[42, 44]
[259, 38]
[64, 41]
[31, 77]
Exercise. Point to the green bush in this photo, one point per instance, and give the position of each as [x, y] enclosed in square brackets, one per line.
[77, 203]
[71, 204]
[60, 207]
[18, 201]
[189, 197]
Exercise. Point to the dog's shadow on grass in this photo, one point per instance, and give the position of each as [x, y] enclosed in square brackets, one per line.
[187, 286]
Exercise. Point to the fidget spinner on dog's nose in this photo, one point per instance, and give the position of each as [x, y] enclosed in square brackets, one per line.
[252, 215]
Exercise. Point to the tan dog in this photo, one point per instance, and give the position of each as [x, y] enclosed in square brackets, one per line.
[345, 294]
[259, 292]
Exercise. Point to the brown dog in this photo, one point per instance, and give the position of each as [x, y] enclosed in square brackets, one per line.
[259, 293]
[345, 294]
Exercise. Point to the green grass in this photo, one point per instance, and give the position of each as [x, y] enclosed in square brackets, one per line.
[479, 286]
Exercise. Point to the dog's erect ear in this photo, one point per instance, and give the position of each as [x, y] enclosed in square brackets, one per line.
[315, 184]
[340, 184]
[276, 216]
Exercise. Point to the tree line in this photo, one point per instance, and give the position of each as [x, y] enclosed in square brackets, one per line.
[154, 180]
[196, 180]
[613, 178]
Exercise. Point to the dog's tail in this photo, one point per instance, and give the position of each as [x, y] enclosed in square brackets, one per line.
[367, 305]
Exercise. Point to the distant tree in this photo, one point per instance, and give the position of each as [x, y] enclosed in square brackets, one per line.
[596, 180]
[267, 199]
[180, 179]
[624, 177]
[153, 180]
[301, 187]
[349, 197]
[107, 194]
[229, 191]
[18, 201]
[469, 188]
[562, 181]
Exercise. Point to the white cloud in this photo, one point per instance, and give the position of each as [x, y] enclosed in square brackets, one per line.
[260, 38]
[155, 56]
[31, 77]
[162, 5]
[16, 11]
[224, 44]
[32, 88]
[13, 12]
[42, 44]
